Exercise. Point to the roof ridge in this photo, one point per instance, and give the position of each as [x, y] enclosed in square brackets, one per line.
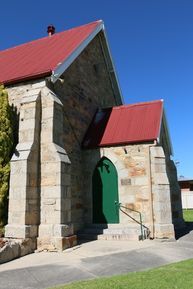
[47, 37]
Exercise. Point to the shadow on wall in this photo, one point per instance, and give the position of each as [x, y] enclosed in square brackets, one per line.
[180, 227]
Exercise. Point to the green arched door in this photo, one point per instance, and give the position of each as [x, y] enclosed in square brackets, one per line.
[105, 193]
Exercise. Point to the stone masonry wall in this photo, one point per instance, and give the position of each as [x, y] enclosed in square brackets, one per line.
[175, 192]
[176, 201]
[142, 184]
[18, 91]
[132, 166]
[85, 87]
[55, 211]
[66, 110]
[24, 197]
[163, 227]
[40, 173]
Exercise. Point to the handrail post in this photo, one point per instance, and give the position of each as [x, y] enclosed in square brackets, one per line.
[141, 226]
[140, 217]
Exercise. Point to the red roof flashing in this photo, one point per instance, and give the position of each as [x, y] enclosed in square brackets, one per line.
[125, 124]
[40, 57]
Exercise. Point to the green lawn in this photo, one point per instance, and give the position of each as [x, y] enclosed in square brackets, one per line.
[188, 215]
[174, 276]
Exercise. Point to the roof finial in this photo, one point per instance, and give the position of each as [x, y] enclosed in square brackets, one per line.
[50, 30]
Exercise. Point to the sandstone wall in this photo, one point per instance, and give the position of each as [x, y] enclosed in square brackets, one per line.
[142, 184]
[131, 162]
[17, 92]
[66, 110]
[85, 87]
[161, 199]
[175, 192]
[176, 198]
[24, 194]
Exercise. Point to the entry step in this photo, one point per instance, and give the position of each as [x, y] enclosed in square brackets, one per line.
[112, 232]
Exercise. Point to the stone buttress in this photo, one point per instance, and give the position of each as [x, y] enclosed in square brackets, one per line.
[39, 197]
[55, 230]
[24, 194]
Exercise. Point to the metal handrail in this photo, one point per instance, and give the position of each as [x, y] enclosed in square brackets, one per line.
[140, 218]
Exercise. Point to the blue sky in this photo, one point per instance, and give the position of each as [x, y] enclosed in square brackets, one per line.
[151, 43]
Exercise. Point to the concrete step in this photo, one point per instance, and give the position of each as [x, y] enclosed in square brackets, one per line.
[111, 232]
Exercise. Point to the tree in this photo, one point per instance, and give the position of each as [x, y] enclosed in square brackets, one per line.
[6, 151]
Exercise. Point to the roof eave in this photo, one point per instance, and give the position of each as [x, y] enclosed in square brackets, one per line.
[168, 138]
[26, 78]
[124, 143]
[111, 68]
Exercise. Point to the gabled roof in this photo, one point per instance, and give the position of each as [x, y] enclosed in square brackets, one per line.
[135, 123]
[43, 56]
[51, 55]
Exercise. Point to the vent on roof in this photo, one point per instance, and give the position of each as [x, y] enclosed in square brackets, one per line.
[51, 30]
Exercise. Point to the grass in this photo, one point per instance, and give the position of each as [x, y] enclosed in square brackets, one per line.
[174, 276]
[188, 215]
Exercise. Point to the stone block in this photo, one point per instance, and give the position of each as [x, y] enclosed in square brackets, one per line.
[10, 251]
[49, 201]
[63, 204]
[18, 181]
[140, 181]
[160, 178]
[20, 231]
[53, 180]
[160, 168]
[17, 205]
[49, 215]
[161, 193]
[27, 124]
[26, 135]
[163, 217]
[27, 246]
[46, 230]
[62, 230]
[123, 173]
[51, 191]
[16, 217]
[126, 182]
[65, 179]
[39, 84]
[164, 231]
[68, 242]
[32, 216]
[157, 152]
[56, 243]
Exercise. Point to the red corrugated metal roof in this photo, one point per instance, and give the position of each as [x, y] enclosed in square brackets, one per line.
[40, 57]
[125, 124]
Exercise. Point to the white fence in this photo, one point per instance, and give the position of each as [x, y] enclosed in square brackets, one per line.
[187, 200]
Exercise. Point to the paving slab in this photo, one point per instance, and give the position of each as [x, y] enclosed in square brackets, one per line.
[91, 260]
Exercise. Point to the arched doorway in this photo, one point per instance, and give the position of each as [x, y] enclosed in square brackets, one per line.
[105, 193]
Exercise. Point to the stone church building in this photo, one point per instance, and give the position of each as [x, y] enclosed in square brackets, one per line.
[84, 163]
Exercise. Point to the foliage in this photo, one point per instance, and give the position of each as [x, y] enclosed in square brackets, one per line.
[6, 150]
[174, 276]
[188, 215]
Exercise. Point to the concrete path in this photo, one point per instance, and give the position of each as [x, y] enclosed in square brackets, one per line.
[91, 260]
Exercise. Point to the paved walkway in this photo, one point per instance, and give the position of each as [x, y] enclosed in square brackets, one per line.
[91, 260]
